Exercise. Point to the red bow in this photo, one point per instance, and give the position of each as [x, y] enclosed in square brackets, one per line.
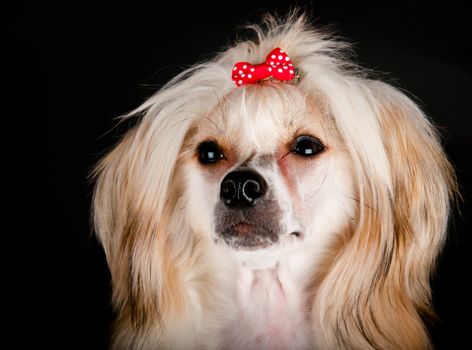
[277, 65]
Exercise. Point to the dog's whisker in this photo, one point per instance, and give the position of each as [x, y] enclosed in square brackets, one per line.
[320, 187]
[357, 200]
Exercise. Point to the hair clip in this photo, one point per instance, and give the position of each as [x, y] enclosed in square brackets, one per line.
[277, 66]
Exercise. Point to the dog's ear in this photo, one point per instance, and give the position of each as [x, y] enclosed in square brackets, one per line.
[131, 206]
[377, 292]
[136, 192]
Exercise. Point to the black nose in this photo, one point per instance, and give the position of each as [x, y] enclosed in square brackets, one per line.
[242, 188]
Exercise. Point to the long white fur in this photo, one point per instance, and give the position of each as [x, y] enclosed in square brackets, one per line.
[362, 283]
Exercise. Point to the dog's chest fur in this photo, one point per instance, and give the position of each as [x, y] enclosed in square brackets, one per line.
[269, 311]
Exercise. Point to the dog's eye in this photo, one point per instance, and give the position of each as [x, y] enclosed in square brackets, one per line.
[307, 146]
[209, 152]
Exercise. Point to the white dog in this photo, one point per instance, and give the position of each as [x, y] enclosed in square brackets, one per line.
[256, 210]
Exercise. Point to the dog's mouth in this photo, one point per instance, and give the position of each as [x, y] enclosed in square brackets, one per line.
[249, 236]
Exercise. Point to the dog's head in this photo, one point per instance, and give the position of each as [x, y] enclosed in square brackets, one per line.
[338, 162]
[266, 171]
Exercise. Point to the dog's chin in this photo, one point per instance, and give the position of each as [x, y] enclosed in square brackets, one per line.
[246, 236]
[251, 237]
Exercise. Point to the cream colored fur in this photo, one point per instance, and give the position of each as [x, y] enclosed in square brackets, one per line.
[360, 278]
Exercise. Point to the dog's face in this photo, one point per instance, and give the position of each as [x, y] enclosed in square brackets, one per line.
[270, 172]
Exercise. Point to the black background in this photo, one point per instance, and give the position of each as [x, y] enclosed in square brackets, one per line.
[72, 69]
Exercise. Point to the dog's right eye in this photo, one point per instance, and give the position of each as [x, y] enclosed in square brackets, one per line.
[209, 152]
[307, 146]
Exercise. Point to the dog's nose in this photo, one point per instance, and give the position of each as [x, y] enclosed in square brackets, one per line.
[242, 188]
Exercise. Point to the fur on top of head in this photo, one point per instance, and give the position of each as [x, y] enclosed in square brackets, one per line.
[374, 289]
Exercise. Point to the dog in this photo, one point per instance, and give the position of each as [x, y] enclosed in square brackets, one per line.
[275, 197]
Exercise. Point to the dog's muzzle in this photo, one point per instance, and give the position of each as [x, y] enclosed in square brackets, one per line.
[246, 216]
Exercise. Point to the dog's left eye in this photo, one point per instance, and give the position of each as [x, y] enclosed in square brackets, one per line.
[307, 146]
[209, 152]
